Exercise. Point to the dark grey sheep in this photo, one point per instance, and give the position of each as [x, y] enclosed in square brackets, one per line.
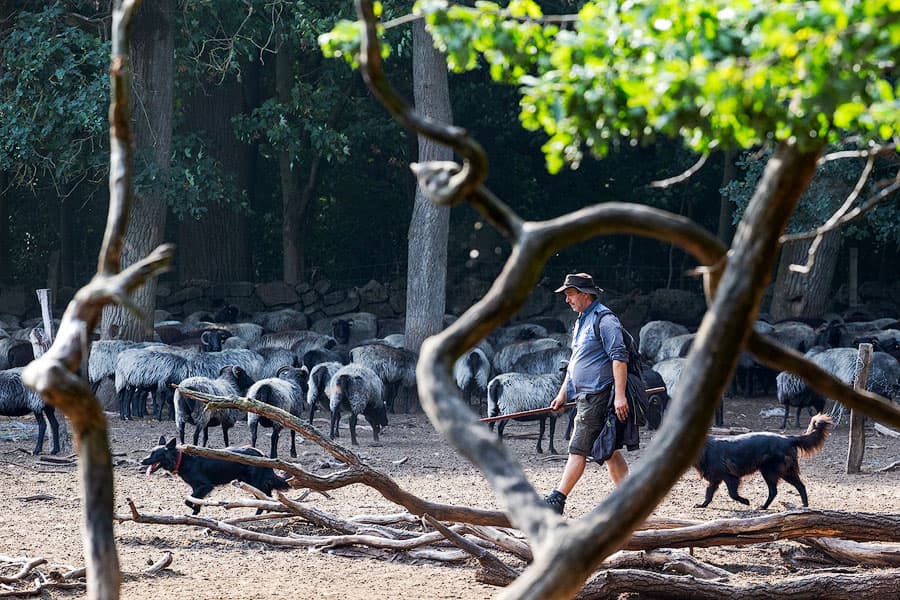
[103, 358]
[358, 390]
[653, 334]
[542, 361]
[676, 346]
[472, 371]
[884, 378]
[505, 336]
[319, 379]
[287, 391]
[232, 381]
[150, 369]
[395, 366]
[286, 319]
[509, 354]
[17, 400]
[320, 355]
[516, 392]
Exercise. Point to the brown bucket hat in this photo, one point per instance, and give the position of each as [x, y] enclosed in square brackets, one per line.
[581, 282]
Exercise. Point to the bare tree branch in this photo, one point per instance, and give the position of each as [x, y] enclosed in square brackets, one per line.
[55, 374]
[664, 183]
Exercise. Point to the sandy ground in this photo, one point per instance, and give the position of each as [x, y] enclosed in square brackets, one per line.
[40, 511]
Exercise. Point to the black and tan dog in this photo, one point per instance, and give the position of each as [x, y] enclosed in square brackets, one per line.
[772, 454]
[204, 474]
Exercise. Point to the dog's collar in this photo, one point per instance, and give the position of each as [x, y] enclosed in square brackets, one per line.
[178, 462]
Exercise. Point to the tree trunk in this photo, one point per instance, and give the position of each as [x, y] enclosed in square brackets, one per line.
[5, 266]
[799, 295]
[428, 229]
[291, 209]
[726, 229]
[66, 244]
[216, 246]
[152, 54]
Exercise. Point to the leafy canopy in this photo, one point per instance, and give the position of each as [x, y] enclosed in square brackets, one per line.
[733, 73]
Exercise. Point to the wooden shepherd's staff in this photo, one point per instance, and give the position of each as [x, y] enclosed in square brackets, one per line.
[546, 409]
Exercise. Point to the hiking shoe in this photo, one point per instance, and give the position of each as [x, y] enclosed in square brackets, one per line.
[557, 501]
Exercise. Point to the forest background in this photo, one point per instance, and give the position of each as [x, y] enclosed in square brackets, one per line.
[281, 167]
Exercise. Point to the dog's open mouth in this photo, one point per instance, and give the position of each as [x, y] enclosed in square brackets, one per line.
[152, 468]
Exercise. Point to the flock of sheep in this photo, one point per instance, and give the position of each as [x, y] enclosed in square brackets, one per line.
[357, 365]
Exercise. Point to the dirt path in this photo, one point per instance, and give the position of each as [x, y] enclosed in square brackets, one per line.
[41, 511]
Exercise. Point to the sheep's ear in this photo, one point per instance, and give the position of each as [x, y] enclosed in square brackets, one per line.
[162, 440]
[171, 444]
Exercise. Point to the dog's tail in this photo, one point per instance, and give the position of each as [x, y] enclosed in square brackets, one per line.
[812, 441]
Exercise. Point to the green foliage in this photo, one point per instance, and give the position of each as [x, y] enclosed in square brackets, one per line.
[193, 180]
[826, 193]
[54, 97]
[712, 72]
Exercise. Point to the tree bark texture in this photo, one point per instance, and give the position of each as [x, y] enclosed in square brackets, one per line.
[216, 246]
[289, 175]
[429, 227]
[153, 59]
[805, 295]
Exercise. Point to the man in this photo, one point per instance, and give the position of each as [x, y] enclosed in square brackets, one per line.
[599, 363]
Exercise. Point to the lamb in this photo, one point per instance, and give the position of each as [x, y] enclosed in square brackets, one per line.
[357, 389]
[884, 378]
[515, 392]
[232, 381]
[287, 391]
[394, 366]
[17, 400]
[471, 372]
[319, 378]
[652, 335]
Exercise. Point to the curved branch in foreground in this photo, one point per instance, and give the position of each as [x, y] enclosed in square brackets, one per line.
[775, 355]
[357, 471]
[566, 555]
[460, 185]
[54, 375]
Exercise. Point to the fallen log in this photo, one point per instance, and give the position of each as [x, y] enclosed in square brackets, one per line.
[820, 586]
[856, 553]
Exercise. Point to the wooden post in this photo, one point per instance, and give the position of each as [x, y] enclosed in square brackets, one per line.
[857, 446]
[853, 283]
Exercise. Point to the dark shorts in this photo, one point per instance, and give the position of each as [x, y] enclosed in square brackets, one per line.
[590, 419]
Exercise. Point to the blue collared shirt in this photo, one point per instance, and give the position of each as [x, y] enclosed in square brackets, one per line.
[590, 367]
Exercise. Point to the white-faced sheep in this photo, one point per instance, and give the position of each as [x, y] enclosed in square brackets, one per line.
[516, 392]
[472, 371]
[287, 391]
[394, 366]
[884, 378]
[357, 389]
[232, 381]
[653, 334]
[17, 400]
[319, 378]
